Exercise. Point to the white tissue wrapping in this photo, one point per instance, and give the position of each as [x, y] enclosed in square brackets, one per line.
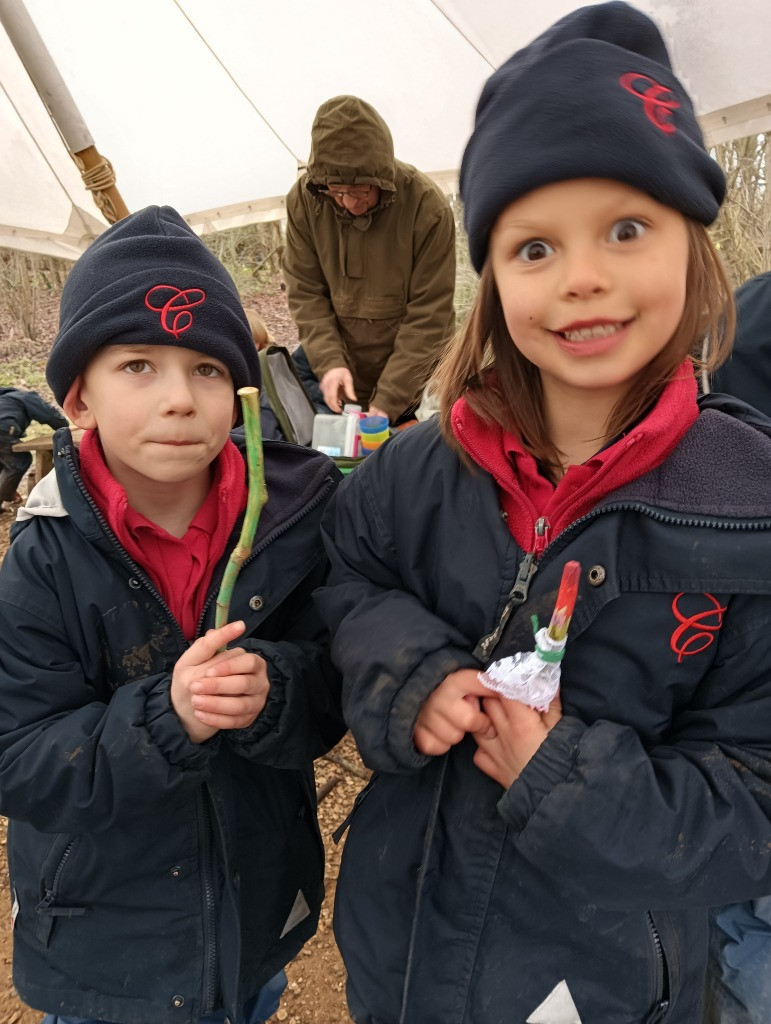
[525, 676]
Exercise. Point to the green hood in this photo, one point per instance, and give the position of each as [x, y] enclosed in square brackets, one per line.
[351, 145]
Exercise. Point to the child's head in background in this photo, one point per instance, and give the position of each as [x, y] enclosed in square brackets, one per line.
[260, 333]
[587, 190]
[152, 346]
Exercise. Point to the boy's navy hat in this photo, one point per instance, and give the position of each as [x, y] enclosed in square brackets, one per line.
[593, 97]
[149, 280]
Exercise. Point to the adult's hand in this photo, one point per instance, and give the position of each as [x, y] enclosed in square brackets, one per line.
[333, 382]
[374, 411]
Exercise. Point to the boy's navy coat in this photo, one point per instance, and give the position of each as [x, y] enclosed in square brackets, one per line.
[134, 854]
[590, 877]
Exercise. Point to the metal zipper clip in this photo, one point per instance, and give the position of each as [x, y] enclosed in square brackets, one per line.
[518, 594]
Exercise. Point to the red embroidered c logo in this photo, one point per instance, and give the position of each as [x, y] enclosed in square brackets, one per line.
[704, 624]
[658, 100]
[176, 317]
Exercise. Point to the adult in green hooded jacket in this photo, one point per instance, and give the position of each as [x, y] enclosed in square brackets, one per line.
[369, 264]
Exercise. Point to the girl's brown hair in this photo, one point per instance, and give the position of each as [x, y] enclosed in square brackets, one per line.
[512, 396]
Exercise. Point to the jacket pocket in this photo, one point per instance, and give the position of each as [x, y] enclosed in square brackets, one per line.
[51, 905]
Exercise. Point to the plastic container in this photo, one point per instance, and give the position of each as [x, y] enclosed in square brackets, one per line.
[330, 433]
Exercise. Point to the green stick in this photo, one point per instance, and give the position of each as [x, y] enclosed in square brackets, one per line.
[258, 495]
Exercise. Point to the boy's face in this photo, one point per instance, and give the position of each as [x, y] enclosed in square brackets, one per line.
[163, 414]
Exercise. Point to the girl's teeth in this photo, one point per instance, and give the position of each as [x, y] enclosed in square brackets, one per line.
[589, 333]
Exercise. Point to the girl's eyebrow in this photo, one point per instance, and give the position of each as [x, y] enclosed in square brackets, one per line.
[523, 227]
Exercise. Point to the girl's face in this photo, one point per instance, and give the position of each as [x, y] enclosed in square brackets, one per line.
[591, 277]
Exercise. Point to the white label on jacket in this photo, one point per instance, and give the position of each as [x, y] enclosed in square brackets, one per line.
[299, 912]
[14, 908]
[557, 1008]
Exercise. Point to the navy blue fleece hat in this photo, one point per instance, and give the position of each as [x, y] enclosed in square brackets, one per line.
[593, 97]
[150, 280]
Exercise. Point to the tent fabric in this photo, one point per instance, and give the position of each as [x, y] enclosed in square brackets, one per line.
[208, 107]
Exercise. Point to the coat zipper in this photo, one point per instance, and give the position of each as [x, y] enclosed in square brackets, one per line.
[662, 995]
[51, 893]
[47, 909]
[210, 915]
[518, 593]
[672, 519]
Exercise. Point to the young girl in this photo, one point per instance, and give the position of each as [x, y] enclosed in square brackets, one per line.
[507, 865]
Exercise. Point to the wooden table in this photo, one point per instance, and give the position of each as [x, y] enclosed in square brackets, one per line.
[42, 448]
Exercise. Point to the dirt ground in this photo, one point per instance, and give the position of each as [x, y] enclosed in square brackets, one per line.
[316, 992]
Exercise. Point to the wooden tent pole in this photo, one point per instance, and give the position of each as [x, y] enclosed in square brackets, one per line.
[96, 171]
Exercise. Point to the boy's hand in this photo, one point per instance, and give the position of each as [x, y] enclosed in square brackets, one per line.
[519, 731]
[452, 710]
[213, 689]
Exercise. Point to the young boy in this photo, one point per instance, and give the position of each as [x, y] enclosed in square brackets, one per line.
[164, 854]
[18, 409]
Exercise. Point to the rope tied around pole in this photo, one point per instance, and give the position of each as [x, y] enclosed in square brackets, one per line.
[97, 180]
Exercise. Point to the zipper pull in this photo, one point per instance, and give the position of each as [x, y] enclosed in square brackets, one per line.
[46, 903]
[517, 596]
[525, 572]
[542, 527]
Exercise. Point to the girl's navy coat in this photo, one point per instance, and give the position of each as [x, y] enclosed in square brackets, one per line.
[150, 874]
[589, 879]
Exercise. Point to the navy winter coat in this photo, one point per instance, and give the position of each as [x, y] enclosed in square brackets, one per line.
[154, 879]
[583, 889]
[747, 372]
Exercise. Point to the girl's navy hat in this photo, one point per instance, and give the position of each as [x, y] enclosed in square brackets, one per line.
[150, 280]
[593, 97]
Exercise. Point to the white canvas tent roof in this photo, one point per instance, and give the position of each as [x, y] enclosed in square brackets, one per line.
[208, 106]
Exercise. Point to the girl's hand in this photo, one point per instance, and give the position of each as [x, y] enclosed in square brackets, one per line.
[452, 710]
[519, 732]
[212, 689]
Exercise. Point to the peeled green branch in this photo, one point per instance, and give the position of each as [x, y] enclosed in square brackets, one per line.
[258, 495]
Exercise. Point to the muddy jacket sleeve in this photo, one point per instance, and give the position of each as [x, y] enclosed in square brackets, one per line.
[408, 649]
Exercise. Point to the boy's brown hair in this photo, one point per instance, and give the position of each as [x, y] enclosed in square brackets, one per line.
[485, 366]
